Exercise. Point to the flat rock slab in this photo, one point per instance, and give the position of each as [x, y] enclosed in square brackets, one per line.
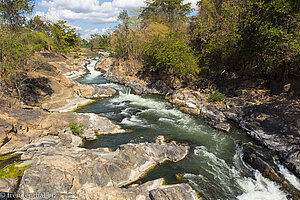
[59, 169]
[25, 125]
[152, 190]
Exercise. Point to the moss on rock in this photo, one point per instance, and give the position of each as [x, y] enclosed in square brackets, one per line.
[12, 171]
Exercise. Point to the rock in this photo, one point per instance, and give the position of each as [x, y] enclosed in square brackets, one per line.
[182, 191]
[151, 190]
[92, 124]
[292, 161]
[287, 87]
[93, 92]
[160, 139]
[104, 63]
[256, 161]
[192, 100]
[16, 143]
[60, 169]
[137, 86]
[5, 128]
[159, 86]
[102, 92]
[267, 168]
[7, 184]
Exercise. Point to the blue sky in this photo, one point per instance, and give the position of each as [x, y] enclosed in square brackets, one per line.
[88, 16]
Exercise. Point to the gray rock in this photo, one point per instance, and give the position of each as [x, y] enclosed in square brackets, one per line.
[102, 92]
[60, 169]
[147, 191]
[7, 184]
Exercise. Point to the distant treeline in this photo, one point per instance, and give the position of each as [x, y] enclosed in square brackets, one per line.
[258, 37]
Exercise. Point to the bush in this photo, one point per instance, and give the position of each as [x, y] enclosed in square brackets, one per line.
[76, 56]
[170, 54]
[76, 128]
[216, 95]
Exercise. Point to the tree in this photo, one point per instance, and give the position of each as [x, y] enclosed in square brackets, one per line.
[100, 41]
[271, 39]
[169, 12]
[42, 26]
[257, 36]
[13, 12]
[65, 36]
[170, 54]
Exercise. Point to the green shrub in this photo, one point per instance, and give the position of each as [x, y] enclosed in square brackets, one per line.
[76, 128]
[76, 56]
[170, 54]
[216, 95]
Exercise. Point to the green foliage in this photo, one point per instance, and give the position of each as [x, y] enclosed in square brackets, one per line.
[270, 31]
[76, 56]
[76, 128]
[16, 47]
[65, 37]
[13, 171]
[129, 39]
[98, 41]
[215, 35]
[170, 54]
[146, 36]
[261, 36]
[169, 12]
[13, 12]
[216, 96]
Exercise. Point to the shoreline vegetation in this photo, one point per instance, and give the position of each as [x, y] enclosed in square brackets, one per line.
[235, 62]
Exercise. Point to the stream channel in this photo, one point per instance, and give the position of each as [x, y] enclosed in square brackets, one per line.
[214, 167]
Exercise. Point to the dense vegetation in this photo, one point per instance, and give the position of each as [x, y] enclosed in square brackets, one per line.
[260, 37]
[20, 38]
[256, 37]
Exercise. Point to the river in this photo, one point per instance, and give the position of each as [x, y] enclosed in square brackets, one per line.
[214, 168]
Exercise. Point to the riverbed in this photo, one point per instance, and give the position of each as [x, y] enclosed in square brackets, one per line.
[214, 167]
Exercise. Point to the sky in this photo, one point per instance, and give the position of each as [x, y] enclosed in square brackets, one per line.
[88, 16]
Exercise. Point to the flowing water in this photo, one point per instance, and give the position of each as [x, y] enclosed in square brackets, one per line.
[214, 168]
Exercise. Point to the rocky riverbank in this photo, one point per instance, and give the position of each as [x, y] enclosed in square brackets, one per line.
[270, 118]
[37, 134]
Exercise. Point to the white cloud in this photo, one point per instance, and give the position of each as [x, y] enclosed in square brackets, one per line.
[90, 11]
[88, 32]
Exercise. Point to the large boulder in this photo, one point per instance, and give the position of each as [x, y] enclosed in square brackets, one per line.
[193, 102]
[267, 168]
[152, 190]
[63, 170]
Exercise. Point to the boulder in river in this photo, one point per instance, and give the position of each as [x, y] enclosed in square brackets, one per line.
[267, 168]
[63, 170]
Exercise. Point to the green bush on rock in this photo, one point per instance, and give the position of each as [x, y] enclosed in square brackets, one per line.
[76, 128]
[216, 95]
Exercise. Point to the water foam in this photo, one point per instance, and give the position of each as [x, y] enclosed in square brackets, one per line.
[260, 188]
[93, 73]
[289, 176]
[252, 188]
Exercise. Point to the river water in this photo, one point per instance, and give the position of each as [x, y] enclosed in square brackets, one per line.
[214, 168]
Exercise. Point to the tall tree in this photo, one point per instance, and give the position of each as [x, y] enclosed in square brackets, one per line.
[13, 12]
[169, 12]
[64, 36]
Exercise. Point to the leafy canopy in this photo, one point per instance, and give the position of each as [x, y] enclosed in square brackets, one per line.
[169, 12]
[170, 54]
